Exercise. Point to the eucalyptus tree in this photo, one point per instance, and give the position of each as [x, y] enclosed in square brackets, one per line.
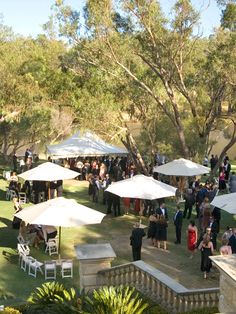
[152, 67]
[33, 91]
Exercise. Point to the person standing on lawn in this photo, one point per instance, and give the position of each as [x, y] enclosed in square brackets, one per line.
[192, 236]
[136, 241]
[189, 198]
[162, 210]
[232, 241]
[178, 220]
[206, 248]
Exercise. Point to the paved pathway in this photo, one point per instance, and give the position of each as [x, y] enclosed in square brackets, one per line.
[174, 262]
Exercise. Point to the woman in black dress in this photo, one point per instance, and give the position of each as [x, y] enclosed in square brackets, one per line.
[90, 187]
[206, 247]
[161, 231]
[152, 228]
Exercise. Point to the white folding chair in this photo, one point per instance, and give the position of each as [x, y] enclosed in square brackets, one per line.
[23, 248]
[34, 266]
[67, 269]
[52, 247]
[10, 194]
[21, 240]
[50, 270]
[21, 252]
[25, 261]
[22, 198]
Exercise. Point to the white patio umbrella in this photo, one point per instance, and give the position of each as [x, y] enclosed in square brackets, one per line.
[226, 202]
[48, 171]
[181, 167]
[60, 212]
[142, 187]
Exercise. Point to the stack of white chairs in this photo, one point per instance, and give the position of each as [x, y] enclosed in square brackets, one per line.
[67, 269]
[52, 247]
[27, 261]
[23, 250]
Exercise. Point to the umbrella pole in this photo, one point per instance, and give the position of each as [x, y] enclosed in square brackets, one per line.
[49, 192]
[59, 244]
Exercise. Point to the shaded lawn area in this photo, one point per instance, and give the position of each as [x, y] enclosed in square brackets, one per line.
[175, 262]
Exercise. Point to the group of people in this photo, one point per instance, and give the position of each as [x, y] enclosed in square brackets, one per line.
[21, 164]
[116, 167]
[32, 233]
[202, 236]
[35, 191]
[204, 241]
[226, 181]
[36, 234]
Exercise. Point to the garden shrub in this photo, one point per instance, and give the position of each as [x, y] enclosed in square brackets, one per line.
[53, 297]
[108, 300]
[5, 295]
[10, 310]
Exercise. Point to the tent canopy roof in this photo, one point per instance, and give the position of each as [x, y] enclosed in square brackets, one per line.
[84, 144]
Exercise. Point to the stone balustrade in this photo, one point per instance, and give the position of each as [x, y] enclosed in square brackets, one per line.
[159, 287]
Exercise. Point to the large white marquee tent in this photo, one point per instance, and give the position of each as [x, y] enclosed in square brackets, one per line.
[83, 144]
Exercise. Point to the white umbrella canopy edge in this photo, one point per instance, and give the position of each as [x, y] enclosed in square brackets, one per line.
[142, 187]
[60, 212]
[226, 202]
[48, 171]
[181, 167]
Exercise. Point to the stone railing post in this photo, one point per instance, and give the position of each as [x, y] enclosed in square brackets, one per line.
[159, 287]
[93, 258]
[227, 267]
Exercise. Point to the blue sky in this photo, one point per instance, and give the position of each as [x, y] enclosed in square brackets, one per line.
[26, 17]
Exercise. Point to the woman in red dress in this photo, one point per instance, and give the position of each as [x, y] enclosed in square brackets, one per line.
[137, 205]
[126, 201]
[192, 237]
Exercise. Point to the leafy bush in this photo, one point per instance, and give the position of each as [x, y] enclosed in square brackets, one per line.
[53, 297]
[155, 309]
[112, 300]
[5, 295]
[10, 310]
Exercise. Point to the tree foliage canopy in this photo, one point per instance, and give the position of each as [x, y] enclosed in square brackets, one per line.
[127, 65]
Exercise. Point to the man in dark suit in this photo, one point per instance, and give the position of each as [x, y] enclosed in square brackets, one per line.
[216, 213]
[136, 241]
[178, 220]
[232, 241]
[162, 210]
[116, 205]
[214, 231]
[189, 202]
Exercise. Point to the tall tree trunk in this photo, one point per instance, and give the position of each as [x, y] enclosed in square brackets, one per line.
[132, 147]
[183, 143]
[5, 145]
[224, 151]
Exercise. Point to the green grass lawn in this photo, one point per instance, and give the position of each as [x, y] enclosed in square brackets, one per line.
[175, 262]
[15, 281]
